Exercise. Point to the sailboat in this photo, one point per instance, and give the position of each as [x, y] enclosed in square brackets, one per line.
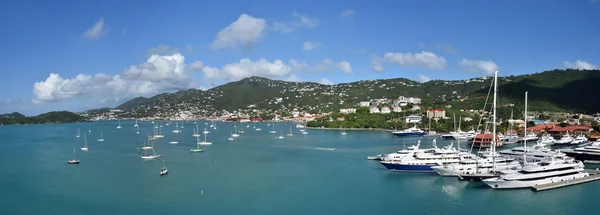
[255, 128]
[204, 142]
[147, 156]
[78, 134]
[230, 138]
[164, 169]
[136, 124]
[101, 139]
[290, 134]
[197, 149]
[196, 132]
[235, 134]
[212, 123]
[85, 145]
[138, 130]
[343, 131]
[273, 131]
[182, 122]
[280, 135]
[159, 135]
[241, 131]
[176, 128]
[119, 126]
[205, 131]
[145, 147]
[90, 129]
[74, 161]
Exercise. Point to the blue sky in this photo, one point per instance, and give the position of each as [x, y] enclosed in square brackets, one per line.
[77, 55]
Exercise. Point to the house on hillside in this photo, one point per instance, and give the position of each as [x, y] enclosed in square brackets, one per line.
[413, 119]
[396, 109]
[416, 108]
[385, 109]
[347, 110]
[364, 104]
[374, 109]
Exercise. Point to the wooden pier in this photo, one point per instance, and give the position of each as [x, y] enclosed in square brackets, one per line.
[594, 175]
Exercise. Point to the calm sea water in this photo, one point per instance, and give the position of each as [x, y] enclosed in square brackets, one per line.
[256, 174]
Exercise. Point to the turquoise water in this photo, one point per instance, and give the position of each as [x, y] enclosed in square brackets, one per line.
[256, 174]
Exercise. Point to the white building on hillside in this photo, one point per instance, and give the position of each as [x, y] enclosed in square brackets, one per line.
[413, 119]
[374, 109]
[385, 109]
[365, 104]
[347, 110]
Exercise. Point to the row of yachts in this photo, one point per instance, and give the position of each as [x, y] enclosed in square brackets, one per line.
[519, 167]
[513, 138]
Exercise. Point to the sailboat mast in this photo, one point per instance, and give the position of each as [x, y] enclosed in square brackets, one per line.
[494, 122]
[525, 132]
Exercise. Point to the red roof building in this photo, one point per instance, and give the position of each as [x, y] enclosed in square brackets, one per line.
[485, 141]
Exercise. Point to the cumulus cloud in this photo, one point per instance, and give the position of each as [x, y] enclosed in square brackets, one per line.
[376, 64]
[247, 68]
[309, 46]
[293, 78]
[161, 50]
[300, 21]
[297, 66]
[486, 67]
[325, 81]
[347, 13]
[96, 31]
[579, 64]
[345, 67]
[158, 74]
[245, 31]
[423, 59]
[424, 79]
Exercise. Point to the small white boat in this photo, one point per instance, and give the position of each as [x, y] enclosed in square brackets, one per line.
[290, 134]
[164, 169]
[273, 131]
[147, 156]
[101, 139]
[173, 142]
[280, 136]
[136, 124]
[258, 129]
[230, 139]
[85, 145]
[119, 126]
[78, 134]
[74, 160]
[304, 132]
[197, 149]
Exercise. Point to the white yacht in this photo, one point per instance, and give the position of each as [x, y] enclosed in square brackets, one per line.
[74, 160]
[482, 164]
[580, 139]
[119, 126]
[85, 144]
[530, 137]
[204, 142]
[409, 132]
[545, 172]
[397, 156]
[564, 140]
[101, 139]
[589, 153]
[424, 161]
[535, 153]
[547, 140]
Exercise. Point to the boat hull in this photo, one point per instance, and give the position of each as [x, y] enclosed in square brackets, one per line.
[582, 156]
[498, 183]
[396, 167]
[409, 134]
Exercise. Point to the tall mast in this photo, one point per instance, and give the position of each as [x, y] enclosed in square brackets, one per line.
[525, 133]
[494, 122]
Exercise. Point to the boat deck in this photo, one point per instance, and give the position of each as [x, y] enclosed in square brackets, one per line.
[594, 175]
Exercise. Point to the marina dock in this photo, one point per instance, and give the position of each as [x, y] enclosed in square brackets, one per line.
[594, 175]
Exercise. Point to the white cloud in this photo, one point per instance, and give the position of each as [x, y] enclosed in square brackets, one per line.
[161, 50]
[245, 31]
[297, 66]
[197, 65]
[293, 78]
[423, 59]
[486, 67]
[579, 64]
[347, 13]
[247, 68]
[424, 79]
[301, 21]
[325, 81]
[96, 31]
[158, 74]
[309, 46]
[376, 64]
[345, 67]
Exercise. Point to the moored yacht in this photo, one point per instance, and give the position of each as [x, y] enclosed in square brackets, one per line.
[547, 140]
[410, 132]
[586, 153]
[564, 140]
[580, 139]
[535, 153]
[534, 174]
[482, 164]
[423, 161]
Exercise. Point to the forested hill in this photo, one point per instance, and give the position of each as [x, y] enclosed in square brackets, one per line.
[50, 117]
[556, 90]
